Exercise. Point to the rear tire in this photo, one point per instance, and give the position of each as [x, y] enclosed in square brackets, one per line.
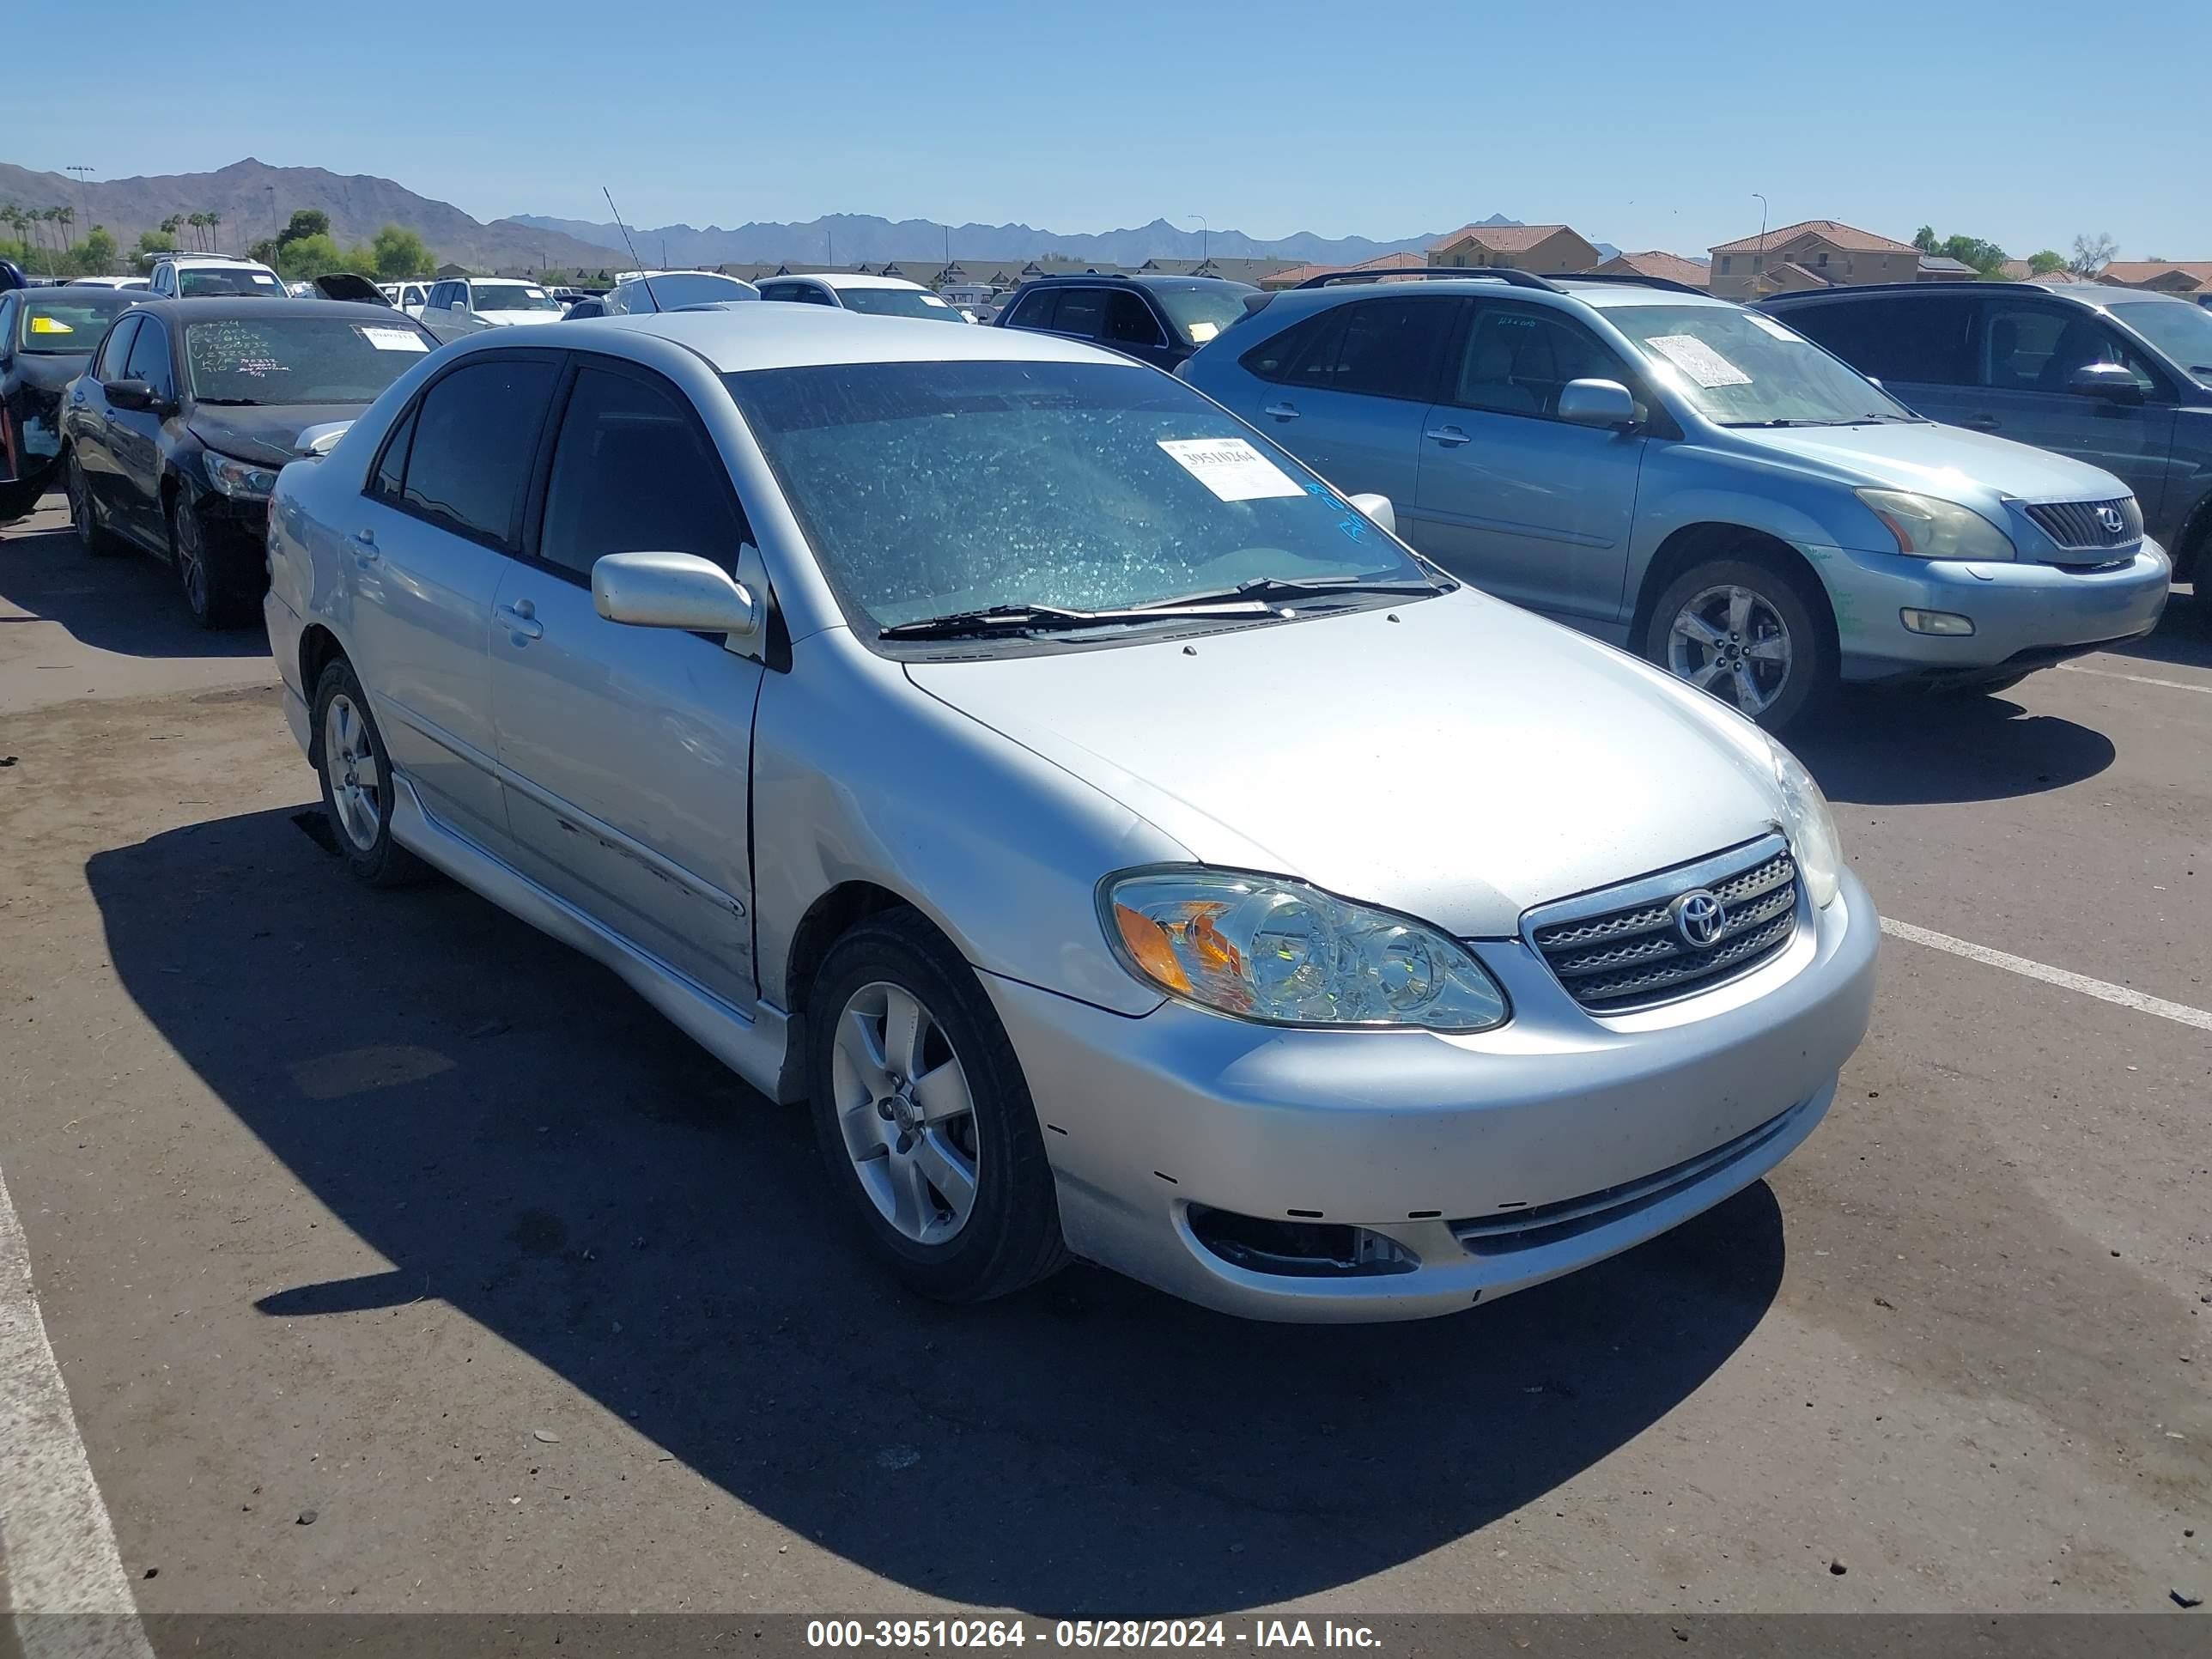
[357, 774]
[1747, 629]
[84, 513]
[923, 1116]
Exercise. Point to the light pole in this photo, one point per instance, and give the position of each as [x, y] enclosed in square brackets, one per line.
[1206, 240]
[1758, 276]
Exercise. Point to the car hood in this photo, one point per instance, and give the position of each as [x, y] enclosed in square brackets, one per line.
[264, 433]
[1461, 762]
[1947, 461]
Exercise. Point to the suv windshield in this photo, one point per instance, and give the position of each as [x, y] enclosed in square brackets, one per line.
[1199, 313]
[898, 302]
[1741, 368]
[299, 360]
[928, 490]
[203, 282]
[512, 296]
[70, 323]
[2182, 331]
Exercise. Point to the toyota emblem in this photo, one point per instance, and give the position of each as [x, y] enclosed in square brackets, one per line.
[1700, 918]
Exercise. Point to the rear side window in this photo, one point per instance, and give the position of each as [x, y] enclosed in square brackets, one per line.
[1375, 347]
[476, 435]
[633, 473]
[391, 468]
[1917, 340]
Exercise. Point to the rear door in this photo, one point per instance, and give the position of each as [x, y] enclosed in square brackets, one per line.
[437, 524]
[1347, 391]
[1519, 502]
[626, 751]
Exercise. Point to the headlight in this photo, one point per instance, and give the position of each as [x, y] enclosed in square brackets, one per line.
[239, 479]
[1927, 528]
[1278, 952]
[1811, 826]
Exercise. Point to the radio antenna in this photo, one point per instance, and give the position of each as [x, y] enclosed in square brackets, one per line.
[642, 276]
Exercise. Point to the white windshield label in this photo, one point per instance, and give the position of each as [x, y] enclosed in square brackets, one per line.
[1768, 325]
[1201, 333]
[1699, 360]
[1230, 468]
[931, 299]
[392, 339]
[262, 278]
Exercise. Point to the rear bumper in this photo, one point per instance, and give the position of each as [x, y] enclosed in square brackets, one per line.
[2026, 615]
[1469, 1167]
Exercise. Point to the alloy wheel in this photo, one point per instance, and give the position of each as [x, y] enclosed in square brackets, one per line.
[1732, 641]
[191, 560]
[355, 780]
[903, 1105]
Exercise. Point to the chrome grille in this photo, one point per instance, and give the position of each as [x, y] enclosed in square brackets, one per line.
[2075, 524]
[1619, 949]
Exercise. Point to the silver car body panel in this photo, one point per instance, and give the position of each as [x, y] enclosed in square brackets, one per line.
[1465, 762]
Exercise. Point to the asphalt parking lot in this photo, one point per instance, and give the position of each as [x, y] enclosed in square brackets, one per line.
[395, 1258]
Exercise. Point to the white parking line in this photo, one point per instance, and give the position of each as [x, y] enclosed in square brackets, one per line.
[2180, 1012]
[54, 1530]
[2140, 679]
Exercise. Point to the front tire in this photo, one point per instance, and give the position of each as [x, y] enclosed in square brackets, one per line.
[84, 513]
[923, 1116]
[356, 775]
[211, 570]
[1749, 632]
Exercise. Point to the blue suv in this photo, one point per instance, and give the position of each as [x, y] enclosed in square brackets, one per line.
[1695, 481]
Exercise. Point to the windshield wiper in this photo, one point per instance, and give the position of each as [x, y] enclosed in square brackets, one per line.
[230, 402]
[1052, 618]
[1274, 590]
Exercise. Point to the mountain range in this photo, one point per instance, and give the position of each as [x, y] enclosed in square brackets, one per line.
[255, 199]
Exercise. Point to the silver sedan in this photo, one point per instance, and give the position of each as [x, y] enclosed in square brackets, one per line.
[1119, 840]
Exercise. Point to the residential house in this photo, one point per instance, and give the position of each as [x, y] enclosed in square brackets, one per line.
[1382, 265]
[1666, 267]
[1546, 250]
[1233, 270]
[2189, 278]
[1812, 253]
[1940, 268]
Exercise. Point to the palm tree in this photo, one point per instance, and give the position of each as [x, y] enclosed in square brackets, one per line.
[169, 226]
[213, 219]
[198, 223]
[12, 216]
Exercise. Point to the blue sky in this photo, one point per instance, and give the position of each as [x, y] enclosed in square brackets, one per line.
[1642, 125]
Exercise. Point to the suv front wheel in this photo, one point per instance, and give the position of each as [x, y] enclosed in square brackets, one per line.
[1747, 632]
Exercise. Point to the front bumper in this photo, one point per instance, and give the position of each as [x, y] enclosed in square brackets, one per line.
[1596, 1133]
[2026, 615]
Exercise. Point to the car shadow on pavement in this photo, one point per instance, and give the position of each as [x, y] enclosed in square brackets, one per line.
[518, 1136]
[127, 603]
[1899, 748]
[2183, 635]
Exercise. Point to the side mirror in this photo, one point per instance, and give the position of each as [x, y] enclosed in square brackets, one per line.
[316, 441]
[1378, 509]
[673, 590]
[2107, 380]
[129, 394]
[1596, 402]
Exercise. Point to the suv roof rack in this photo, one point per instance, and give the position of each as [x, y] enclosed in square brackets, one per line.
[1435, 273]
[1635, 279]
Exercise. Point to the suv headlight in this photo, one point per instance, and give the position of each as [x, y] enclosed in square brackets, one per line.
[1811, 827]
[239, 479]
[1927, 528]
[1267, 948]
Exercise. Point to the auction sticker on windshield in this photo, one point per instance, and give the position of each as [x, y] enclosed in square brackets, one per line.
[1230, 468]
[392, 339]
[1699, 360]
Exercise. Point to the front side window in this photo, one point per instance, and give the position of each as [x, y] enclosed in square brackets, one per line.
[475, 437]
[212, 281]
[117, 350]
[2037, 348]
[275, 358]
[934, 489]
[1037, 308]
[1739, 367]
[149, 359]
[1081, 311]
[633, 473]
[1129, 322]
[1518, 358]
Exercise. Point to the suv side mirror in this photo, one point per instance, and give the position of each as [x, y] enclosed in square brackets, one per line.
[129, 394]
[2107, 380]
[1597, 403]
[673, 590]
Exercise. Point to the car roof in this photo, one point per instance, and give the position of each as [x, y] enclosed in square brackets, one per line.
[210, 259]
[2085, 293]
[845, 279]
[1132, 279]
[230, 308]
[748, 336]
[1288, 303]
[500, 281]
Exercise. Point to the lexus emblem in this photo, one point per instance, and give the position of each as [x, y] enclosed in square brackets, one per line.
[1698, 918]
[2110, 518]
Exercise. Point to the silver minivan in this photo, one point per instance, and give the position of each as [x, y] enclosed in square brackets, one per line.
[1123, 845]
[1694, 481]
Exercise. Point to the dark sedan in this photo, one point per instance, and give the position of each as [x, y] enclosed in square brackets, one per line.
[46, 338]
[172, 438]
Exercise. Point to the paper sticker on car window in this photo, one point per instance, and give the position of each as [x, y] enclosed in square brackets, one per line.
[1201, 333]
[265, 280]
[1230, 468]
[1768, 325]
[931, 299]
[392, 339]
[1699, 360]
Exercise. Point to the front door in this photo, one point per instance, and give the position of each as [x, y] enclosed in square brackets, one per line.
[627, 752]
[1513, 499]
[134, 438]
[438, 523]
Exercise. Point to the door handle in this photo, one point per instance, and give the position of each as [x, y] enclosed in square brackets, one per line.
[1449, 436]
[365, 550]
[520, 621]
[1980, 422]
[1281, 411]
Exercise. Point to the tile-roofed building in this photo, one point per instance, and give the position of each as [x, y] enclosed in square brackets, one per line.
[1830, 252]
[1547, 249]
[2191, 276]
[1381, 265]
[1668, 267]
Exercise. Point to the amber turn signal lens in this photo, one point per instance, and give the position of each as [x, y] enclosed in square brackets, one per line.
[1149, 948]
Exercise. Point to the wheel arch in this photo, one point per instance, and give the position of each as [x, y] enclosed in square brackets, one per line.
[831, 916]
[1694, 542]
